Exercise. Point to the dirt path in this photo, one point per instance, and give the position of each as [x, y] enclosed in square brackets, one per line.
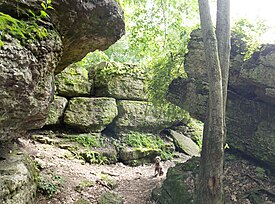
[82, 181]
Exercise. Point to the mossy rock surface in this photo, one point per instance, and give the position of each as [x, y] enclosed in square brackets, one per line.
[185, 144]
[139, 116]
[137, 156]
[110, 198]
[90, 114]
[18, 176]
[73, 81]
[177, 188]
[120, 81]
[26, 79]
[57, 109]
[251, 97]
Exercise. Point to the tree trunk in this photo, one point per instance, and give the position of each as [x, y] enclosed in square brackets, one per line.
[210, 186]
[224, 47]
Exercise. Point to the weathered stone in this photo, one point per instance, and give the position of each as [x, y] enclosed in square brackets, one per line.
[17, 176]
[84, 25]
[137, 156]
[258, 74]
[250, 105]
[119, 86]
[90, 114]
[57, 108]
[185, 144]
[190, 95]
[73, 81]
[179, 184]
[26, 83]
[110, 198]
[139, 116]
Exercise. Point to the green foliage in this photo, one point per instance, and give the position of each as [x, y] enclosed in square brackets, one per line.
[88, 140]
[92, 59]
[25, 31]
[50, 184]
[157, 34]
[45, 6]
[148, 141]
[250, 33]
[157, 38]
[260, 172]
[197, 131]
[153, 28]
[93, 157]
[89, 156]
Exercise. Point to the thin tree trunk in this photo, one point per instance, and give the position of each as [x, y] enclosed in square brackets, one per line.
[224, 47]
[210, 187]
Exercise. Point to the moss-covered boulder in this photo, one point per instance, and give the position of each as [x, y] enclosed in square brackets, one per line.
[137, 156]
[73, 81]
[139, 116]
[185, 144]
[119, 81]
[17, 178]
[179, 184]
[57, 108]
[90, 114]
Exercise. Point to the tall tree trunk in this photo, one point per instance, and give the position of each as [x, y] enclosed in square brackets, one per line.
[210, 186]
[224, 47]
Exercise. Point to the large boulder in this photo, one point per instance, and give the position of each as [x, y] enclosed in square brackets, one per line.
[185, 144]
[250, 106]
[121, 85]
[26, 83]
[73, 81]
[90, 114]
[84, 25]
[139, 116]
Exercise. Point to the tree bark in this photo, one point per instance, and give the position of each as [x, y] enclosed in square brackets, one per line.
[210, 186]
[224, 47]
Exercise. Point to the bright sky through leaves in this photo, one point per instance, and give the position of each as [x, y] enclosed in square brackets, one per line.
[255, 10]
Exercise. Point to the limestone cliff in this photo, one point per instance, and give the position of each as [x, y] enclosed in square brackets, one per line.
[250, 107]
[34, 47]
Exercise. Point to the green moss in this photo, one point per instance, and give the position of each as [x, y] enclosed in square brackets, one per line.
[148, 142]
[25, 31]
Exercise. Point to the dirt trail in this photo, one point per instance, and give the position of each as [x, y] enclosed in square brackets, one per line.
[80, 180]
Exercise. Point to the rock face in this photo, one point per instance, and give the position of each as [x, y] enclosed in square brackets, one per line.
[73, 81]
[26, 86]
[119, 86]
[90, 114]
[17, 176]
[84, 25]
[31, 52]
[250, 107]
[185, 144]
[179, 184]
[117, 102]
[57, 108]
[32, 49]
[139, 116]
